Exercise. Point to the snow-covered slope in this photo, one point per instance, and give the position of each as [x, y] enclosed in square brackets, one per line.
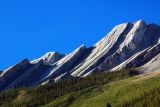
[127, 45]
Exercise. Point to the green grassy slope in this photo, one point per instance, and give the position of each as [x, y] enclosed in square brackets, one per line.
[107, 90]
[133, 92]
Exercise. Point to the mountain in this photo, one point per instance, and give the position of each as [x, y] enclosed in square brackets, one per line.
[128, 45]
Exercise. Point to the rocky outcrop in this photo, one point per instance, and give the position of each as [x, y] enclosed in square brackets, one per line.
[152, 65]
[146, 39]
[144, 57]
[119, 45]
[68, 63]
[49, 58]
[10, 74]
[30, 76]
[141, 58]
[24, 74]
[127, 45]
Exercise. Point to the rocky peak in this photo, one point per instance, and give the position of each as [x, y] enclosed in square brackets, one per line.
[135, 36]
[70, 61]
[10, 74]
[112, 36]
[50, 58]
[127, 45]
[14, 68]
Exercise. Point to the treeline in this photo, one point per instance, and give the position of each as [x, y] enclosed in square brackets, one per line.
[42, 95]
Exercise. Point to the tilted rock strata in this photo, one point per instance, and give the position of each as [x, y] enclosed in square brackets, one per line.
[127, 45]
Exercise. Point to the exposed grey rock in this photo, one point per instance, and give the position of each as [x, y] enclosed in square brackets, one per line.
[10, 74]
[144, 57]
[103, 49]
[50, 58]
[152, 65]
[146, 39]
[68, 63]
[122, 42]
[24, 74]
[127, 45]
[30, 77]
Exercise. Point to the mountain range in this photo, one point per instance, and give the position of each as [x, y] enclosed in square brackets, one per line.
[128, 45]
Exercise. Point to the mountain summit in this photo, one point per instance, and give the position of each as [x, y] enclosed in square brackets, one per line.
[128, 45]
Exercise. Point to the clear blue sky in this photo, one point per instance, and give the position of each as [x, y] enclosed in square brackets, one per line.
[30, 28]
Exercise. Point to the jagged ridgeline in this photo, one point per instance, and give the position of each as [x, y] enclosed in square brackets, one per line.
[128, 45]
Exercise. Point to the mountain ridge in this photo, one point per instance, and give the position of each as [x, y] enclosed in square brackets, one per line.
[128, 45]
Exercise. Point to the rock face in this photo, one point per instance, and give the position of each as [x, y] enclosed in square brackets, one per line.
[23, 74]
[10, 74]
[127, 45]
[49, 58]
[68, 64]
